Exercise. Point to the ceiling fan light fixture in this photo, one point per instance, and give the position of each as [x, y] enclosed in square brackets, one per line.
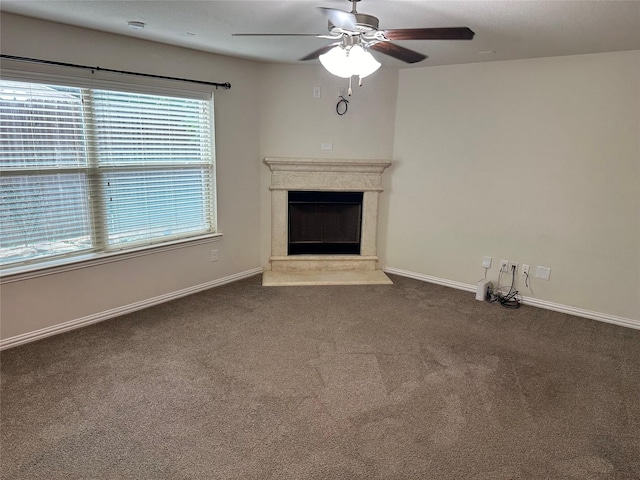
[363, 62]
[345, 63]
[336, 61]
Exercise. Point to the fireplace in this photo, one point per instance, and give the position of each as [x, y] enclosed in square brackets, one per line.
[331, 208]
[324, 223]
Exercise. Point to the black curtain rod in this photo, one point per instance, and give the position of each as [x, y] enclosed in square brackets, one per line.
[226, 85]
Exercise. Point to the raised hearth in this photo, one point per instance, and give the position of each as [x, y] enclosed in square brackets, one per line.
[329, 175]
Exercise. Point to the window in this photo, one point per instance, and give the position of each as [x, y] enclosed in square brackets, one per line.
[85, 170]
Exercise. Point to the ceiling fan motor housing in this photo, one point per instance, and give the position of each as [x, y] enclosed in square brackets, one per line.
[364, 24]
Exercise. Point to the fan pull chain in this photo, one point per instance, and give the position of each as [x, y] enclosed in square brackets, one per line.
[349, 92]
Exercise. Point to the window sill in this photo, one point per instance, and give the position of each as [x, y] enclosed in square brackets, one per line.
[53, 267]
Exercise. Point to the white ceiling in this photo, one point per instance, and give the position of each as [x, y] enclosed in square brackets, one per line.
[512, 28]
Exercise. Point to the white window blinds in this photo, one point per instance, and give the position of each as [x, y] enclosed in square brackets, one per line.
[87, 170]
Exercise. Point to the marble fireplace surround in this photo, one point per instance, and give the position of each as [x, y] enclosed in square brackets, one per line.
[331, 175]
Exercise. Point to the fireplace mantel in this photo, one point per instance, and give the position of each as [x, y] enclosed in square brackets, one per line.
[327, 164]
[321, 174]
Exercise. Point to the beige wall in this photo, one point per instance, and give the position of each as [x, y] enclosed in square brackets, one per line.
[294, 124]
[534, 161]
[46, 301]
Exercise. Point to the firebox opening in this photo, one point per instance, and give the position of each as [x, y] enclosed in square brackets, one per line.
[324, 223]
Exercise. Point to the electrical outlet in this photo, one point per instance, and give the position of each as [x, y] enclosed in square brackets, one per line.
[525, 269]
[512, 266]
[504, 266]
[214, 255]
[317, 92]
[486, 262]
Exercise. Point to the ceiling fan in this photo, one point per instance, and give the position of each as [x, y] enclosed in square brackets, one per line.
[351, 29]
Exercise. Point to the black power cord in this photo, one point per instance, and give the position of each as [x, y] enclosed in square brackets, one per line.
[342, 101]
[510, 300]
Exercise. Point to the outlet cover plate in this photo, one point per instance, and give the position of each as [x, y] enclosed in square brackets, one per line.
[486, 262]
[543, 273]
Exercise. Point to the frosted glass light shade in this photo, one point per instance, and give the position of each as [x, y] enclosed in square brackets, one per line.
[337, 62]
[363, 62]
[346, 63]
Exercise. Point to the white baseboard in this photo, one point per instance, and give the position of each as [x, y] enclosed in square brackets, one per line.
[116, 312]
[557, 307]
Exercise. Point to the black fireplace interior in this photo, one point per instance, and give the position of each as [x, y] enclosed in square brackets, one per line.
[324, 223]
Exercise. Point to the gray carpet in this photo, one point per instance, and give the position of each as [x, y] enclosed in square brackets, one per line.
[407, 381]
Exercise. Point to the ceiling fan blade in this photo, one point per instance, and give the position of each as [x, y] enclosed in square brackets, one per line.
[315, 54]
[396, 51]
[453, 33]
[277, 35]
[340, 18]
